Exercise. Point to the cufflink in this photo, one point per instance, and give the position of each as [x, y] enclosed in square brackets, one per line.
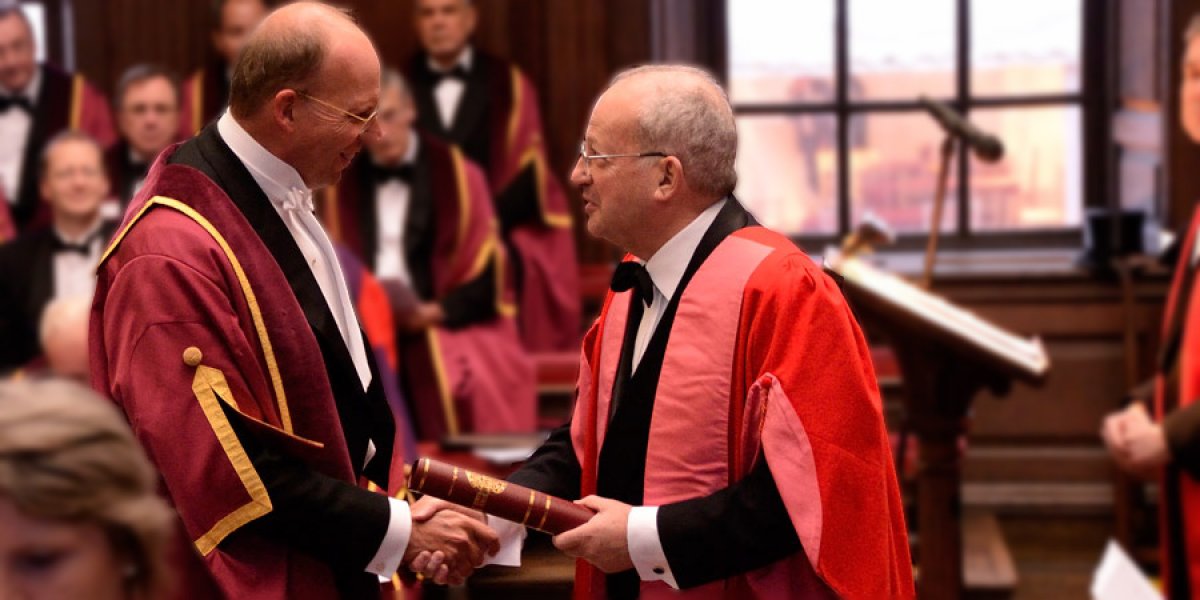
[192, 356]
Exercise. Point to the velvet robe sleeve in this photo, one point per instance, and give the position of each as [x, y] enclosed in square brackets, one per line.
[186, 372]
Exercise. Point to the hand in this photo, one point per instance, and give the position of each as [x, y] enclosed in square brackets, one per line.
[446, 545]
[424, 316]
[603, 540]
[1136, 443]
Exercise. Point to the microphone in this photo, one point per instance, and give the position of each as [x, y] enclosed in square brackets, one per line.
[985, 145]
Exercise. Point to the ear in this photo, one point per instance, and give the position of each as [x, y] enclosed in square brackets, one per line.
[283, 106]
[670, 178]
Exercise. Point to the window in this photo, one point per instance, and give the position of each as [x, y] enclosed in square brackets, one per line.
[825, 93]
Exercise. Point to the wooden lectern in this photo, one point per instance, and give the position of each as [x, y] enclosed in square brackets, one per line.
[946, 355]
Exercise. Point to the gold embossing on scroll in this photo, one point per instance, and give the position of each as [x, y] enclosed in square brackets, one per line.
[484, 487]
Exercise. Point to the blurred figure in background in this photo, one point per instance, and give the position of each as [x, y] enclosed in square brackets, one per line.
[63, 336]
[147, 103]
[1165, 442]
[79, 515]
[206, 91]
[419, 215]
[487, 107]
[37, 102]
[59, 261]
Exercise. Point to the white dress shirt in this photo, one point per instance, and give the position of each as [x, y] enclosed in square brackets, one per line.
[666, 269]
[15, 124]
[448, 92]
[393, 199]
[293, 201]
[74, 273]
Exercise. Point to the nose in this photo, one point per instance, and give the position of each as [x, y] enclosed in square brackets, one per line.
[373, 132]
[579, 173]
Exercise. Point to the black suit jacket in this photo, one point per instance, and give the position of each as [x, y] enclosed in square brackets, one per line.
[26, 287]
[337, 521]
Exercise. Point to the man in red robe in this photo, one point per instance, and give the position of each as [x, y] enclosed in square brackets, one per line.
[147, 106]
[728, 428]
[486, 106]
[206, 91]
[224, 329]
[419, 214]
[37, 102]
[1164, 442]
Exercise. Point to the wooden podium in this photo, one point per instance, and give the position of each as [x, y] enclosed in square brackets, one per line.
[946, 356]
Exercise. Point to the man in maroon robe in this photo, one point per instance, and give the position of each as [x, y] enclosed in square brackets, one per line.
[419, 215]
[147, 106]
[223, 328]
[1163, 442]
[486, 106]
[206, 90]
[728, 429]
[36, 102]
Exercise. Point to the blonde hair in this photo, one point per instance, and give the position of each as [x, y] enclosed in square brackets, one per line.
[67, 454]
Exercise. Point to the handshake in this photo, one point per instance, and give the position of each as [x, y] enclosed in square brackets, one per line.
[448, 542]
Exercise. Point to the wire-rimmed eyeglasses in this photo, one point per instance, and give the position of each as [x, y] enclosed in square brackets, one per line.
[588, 158]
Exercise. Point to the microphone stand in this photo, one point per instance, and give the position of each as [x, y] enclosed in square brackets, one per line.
[948, 147]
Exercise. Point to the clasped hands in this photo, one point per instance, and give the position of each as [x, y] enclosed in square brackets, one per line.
[1135, 441]
[448, 542]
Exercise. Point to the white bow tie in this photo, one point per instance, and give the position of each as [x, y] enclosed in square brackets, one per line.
[298, 200]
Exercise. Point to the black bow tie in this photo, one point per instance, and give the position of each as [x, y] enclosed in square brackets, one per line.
[84, 247]
[21, 102]
[458, 72]
[630, 275]
[403, 172]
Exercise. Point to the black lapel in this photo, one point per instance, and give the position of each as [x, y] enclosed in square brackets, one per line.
[472, 107]
[41, 278]
[423, 80]
[221, 165]
[419, 232]
[368, 219]
[49, 117]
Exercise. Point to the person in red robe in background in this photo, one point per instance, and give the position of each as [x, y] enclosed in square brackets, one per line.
[487, 106]
[36, 103]
[419, 214]
[147, 106]
[223, 328]
[205, 93]
[728, 428]
[1164, 441]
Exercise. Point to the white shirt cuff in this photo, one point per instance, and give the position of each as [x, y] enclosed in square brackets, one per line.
[512, 539]
[395, 542]
[645, 548]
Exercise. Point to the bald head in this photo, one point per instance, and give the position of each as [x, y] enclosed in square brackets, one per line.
[291, 49]
[684, 112]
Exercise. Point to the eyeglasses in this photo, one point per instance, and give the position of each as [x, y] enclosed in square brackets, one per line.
[588, 158]
[366, 121]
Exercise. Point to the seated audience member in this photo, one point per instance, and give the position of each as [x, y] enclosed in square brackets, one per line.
[79, 514]
[419, 215]
[147, 103]
[487, 107]
[36, 103]
[58, 261]
[206, 91]
[63, 335]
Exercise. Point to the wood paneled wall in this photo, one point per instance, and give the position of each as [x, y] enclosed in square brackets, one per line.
[569, 48]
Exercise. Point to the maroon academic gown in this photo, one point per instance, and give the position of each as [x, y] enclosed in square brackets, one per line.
[764, 362]
[197, 334]
[65, 102]
[471, 374]
[499, 126]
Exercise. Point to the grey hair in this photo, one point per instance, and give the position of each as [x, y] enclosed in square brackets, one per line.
[1193, 29]
[692, 121]
[390, 76]
[139, 73]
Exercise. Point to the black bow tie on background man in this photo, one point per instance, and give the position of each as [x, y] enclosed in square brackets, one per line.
[84, 247]
[17, 101]
[403, 172]
[458, 72]
[631, 275]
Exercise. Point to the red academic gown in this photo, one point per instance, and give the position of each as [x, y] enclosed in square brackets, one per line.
[198, 335]
[471, 374]
[65, 101]
[1177, 387]
[203, 96]
[764, 362]
[499, 126]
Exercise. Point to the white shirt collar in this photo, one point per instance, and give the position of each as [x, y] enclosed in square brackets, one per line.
[31, 90]
[465, 59]
[276, 178]
[667, 265]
